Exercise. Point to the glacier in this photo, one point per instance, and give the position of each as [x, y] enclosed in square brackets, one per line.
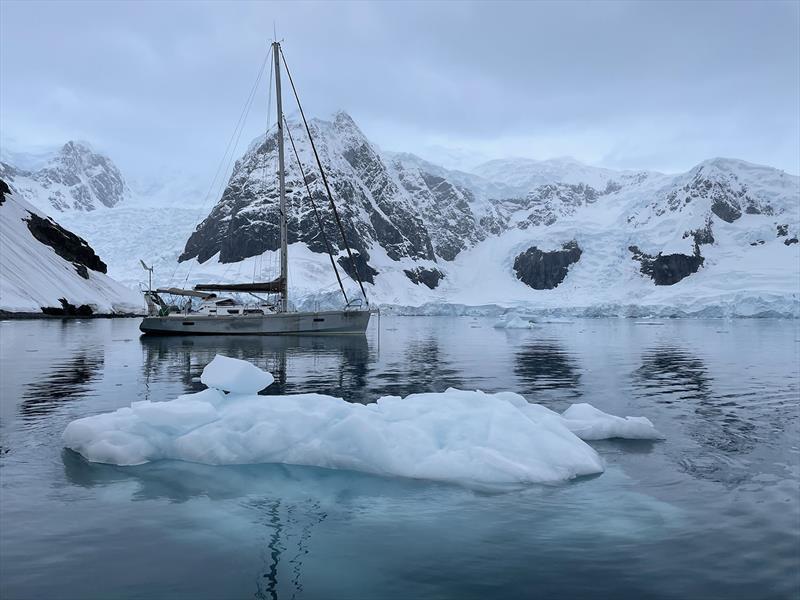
[457, 436]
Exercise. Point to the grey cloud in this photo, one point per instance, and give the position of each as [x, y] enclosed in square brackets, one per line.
[649, 85]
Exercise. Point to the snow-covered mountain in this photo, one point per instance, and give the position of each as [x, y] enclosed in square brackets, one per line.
[75, 177]
[553, 236]
[45, 268]
[538, 234]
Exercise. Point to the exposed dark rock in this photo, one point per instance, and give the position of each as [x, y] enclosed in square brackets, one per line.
[545, 270]
[66, 244]
[3, 191]
[81, 270]
[757, 243]
[701, 236]
[783, 230]
[725, 211]
[365, 271]
[68, 310]
[790, 241]
[728, 196]
[429, 277]
[752, 209]
[667, 269]
[546, 203]
[443, 206]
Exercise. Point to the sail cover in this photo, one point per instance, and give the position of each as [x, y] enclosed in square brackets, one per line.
[275, 286]
[182, 292]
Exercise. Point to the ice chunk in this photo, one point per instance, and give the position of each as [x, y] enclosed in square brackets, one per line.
[590, 423]
[516, 322]
[468, 437]
[235, 376]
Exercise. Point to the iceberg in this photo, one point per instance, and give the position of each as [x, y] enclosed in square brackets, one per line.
[457, 436]
[516, 322]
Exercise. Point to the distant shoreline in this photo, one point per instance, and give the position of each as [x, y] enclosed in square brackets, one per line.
[6, 315]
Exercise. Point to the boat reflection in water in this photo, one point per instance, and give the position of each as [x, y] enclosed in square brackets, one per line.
[335, 365]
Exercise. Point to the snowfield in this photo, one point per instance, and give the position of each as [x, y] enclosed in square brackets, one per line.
[33, 275]
[458, 436]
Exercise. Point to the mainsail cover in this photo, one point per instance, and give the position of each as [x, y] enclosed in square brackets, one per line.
[182, 292]
[275, 286]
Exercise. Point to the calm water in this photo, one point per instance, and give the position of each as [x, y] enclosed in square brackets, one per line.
[711, 512]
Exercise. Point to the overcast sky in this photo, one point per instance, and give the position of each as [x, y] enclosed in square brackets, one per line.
[159, 85]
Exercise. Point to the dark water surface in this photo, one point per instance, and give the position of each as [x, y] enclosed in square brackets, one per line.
[711, 512]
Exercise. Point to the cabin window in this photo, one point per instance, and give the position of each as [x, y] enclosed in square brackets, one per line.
[318, 319]
[188, 322]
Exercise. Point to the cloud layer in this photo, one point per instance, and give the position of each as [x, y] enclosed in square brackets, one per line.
[159, 86]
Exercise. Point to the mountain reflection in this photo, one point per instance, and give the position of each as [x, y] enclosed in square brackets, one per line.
[673, 375]
[64, 381]
[546, 365]
[718, 423]
[422, 367]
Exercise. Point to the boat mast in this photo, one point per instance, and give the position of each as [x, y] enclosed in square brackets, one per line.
[276, 51]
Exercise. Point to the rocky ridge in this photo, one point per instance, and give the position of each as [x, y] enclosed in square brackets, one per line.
[424, 217]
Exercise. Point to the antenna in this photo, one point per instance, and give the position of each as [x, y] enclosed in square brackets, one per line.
[149, 275]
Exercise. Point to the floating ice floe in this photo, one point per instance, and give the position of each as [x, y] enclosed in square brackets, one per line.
[468, 437]
[516, 322]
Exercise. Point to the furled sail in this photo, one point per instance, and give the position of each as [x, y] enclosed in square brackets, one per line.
[276, 286]
[182, 292]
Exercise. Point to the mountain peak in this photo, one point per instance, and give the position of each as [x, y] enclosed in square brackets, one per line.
[75, 177]
[79, 146]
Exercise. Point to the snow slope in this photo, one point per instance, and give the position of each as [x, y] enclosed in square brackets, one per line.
[33, 275]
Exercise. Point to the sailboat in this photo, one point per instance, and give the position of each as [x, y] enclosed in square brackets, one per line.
[218, 315]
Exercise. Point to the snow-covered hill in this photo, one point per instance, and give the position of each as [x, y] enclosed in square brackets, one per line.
[556, 236]
[73, 178]
[552, 235]
[45, 268]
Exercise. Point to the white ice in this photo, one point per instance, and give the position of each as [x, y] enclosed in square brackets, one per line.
[235, 376]
[590, 423]
[459, 436]
[515, 322]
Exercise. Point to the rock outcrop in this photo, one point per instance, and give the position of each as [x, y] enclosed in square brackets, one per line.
[543, 270]
[667, 269]
[66, 244]
[428, 277]
[358, 267]
[374, 208]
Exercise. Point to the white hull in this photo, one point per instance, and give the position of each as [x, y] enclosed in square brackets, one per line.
[289, 323]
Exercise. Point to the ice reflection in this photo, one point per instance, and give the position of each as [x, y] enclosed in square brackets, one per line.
[284, 505]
